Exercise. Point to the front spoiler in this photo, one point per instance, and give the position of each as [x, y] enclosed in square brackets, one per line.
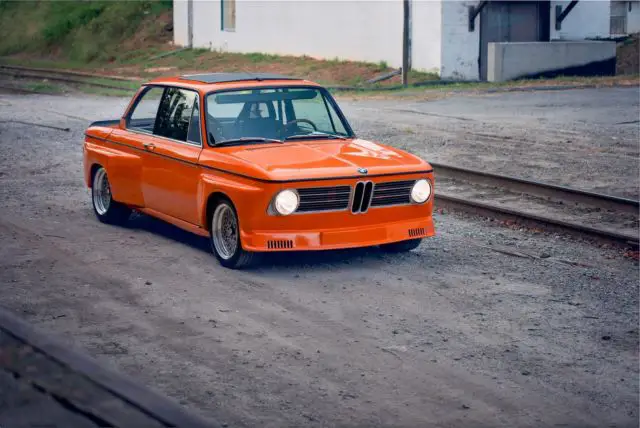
[338, 238]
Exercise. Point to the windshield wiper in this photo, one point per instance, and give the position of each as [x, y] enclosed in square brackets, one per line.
[247, 140]
[315, 137]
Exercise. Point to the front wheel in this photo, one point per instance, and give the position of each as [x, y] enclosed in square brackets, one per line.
[402, 246]
[107, 210]
[225, 238]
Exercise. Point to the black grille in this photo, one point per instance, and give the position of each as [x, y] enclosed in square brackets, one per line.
[419, 231]
[362, 197]
[279, 244]
[392, 193]
[324, 198]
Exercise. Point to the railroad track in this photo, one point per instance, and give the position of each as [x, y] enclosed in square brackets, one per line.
[63, 76]
[540, 205]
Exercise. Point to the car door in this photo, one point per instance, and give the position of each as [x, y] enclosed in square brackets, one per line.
[170, 171]
[125, 170]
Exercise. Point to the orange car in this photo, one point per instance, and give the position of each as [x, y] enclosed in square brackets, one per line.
[257, 163]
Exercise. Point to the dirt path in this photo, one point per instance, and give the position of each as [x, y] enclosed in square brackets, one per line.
[457, 333]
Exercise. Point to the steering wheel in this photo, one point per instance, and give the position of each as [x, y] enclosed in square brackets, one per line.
[285, 127]
[215, 128]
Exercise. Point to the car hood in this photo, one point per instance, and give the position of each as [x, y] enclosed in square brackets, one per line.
[326, 159]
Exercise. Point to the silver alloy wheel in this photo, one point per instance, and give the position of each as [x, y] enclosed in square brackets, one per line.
[225, 231]
[101, 192]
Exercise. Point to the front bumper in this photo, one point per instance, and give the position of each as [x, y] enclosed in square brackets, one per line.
[337, 238]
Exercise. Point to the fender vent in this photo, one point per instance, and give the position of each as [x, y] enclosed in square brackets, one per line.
[416, 232]
[279, 244]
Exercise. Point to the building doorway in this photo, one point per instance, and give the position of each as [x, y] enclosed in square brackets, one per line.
[512, 21]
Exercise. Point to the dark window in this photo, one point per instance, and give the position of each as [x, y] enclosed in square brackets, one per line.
[228, 16]
[174, 114]
[194, 127]
[143, 116]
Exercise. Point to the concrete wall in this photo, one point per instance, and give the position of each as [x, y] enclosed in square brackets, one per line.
[426, 35]
[512, 60]
[180, 23]
[588, 19]
[357, 30]
[460, 48]
[369, 30]
[633, 18]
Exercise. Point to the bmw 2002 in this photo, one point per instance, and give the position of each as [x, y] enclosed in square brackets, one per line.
[257, 163]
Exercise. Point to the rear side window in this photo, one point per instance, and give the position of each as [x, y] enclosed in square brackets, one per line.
[174, 114]
[194, 127]
[143, 116]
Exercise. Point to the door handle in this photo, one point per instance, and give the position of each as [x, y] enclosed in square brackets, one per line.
[149, 146]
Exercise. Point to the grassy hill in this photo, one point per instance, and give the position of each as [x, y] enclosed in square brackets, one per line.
[82, 31]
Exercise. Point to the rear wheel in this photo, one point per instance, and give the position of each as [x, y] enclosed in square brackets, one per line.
[225, 238]
[106, 209]
[402, 246]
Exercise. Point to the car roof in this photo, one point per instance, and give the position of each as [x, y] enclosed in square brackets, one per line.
[234, 77]
[211, 81]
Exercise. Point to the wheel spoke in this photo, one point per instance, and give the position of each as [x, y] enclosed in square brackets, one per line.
[225, 231]
[101, 192]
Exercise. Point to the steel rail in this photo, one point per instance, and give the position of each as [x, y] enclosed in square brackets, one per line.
[31, 75]
[534, 220]
[536, 188]
[67, 73]
[23, 90]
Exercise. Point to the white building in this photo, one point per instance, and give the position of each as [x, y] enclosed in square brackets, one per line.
[443, 38]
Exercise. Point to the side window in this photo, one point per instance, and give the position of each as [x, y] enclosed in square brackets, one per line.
[143, 116]
[174, 114]
[194, 127]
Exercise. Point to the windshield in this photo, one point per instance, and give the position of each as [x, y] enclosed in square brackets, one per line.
[265, 115]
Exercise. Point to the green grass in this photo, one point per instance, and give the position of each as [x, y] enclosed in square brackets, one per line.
[82, 31]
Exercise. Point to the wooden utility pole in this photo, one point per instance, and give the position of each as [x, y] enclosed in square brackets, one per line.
[405, 43]
[190, 24]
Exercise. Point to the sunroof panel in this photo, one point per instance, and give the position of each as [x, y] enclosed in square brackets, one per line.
[234, 77]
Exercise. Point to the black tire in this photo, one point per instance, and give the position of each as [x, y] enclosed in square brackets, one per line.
[235, 257]
[402, 246]
[106, 209]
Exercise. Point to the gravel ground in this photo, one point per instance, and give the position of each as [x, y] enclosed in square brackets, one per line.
[481, 326]
[588, 138]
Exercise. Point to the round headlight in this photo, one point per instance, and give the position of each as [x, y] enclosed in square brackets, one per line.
[286, 202]
[421, 191]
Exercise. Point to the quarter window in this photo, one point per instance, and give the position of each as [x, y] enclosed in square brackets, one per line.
[194, 127]
[143, 116]
[174, 114]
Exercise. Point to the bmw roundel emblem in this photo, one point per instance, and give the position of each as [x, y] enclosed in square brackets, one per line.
[363, 170]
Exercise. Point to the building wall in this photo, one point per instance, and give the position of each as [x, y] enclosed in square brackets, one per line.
[633, 18]
[460, 47]
[426, 35]
[180, 23]
[356, 30]
[362, 30]
[588, 19]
